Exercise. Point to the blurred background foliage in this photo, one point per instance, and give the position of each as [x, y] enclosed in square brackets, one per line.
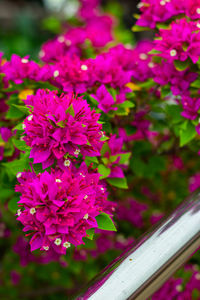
[25, 25]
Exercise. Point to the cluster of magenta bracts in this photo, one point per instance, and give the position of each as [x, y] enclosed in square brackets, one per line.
[176, 50]
[177, 288]
[154, 12]
[62, 129]
[59, 207]
[61, 125]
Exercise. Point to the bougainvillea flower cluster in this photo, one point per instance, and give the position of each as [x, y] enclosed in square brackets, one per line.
[180, 42]
[60, 126]
[165, 73]
[98, 124]
[59, 207]
[154, 11]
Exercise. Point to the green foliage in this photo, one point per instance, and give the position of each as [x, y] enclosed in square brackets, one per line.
[90, 233]
[15, 166]
[120, 183]
[104, 171]
[70, 110]
[52, 24]
[105, 222]
[181, 65]
[187, 133]
[12, 205]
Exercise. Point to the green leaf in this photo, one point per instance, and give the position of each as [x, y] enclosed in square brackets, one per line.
[16, 166]
[165, 91]
[124, 157]
[137, 28]
[14, 113]
[105, 222]
[107, 127]
[121, 111]
[174, 111]
[147, 84]
[21, 145]
[70, 110]
[90, 233]
[22, 108]
[118, 182]
[127, 104]
[162, 26]
[196, 83]
[154, 52]
[104, 138]
[12, 205]
[19, 127]
[61, 124]
[187, 134]
[181, 65]
[6, 194]
[105, 148]
[104, 171]
[130, 129]
[92, 159]
[37, 168]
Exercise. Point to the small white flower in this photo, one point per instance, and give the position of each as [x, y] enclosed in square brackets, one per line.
[61, 39]
[76, 152]
[151, 65]
[198, 10]
[57, 242]
[163, 2]
[140, 5]
[19, 212]
[22, 138]
[198, 25]
[179, 288]
[19, 174]
[85, 197]
[86, 216]
[143, 56]
[128, 46]
[173, 52]
[46, 248]
[24, 60]
[84, 67]
[82, 174]
[68, 42]
[102, 189]
[102, 134]
[67, 163]
[66, 244]
[41, 54]
[56, 73]
[58, 180]
[197, 276]
[30, 118]
[32, 210]
[23, 126]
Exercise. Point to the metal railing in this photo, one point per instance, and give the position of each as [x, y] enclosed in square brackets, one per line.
[142, 270]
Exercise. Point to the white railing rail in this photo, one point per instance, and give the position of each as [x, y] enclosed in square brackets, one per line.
[139, 272]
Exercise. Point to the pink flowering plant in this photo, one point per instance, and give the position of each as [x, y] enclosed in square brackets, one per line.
[99, 139]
